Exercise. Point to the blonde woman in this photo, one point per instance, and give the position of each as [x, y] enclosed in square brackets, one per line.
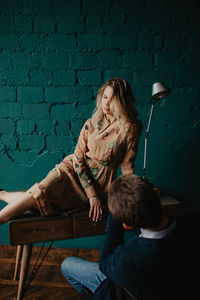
[108, 139]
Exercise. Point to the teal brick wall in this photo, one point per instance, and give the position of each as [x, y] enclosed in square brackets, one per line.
[55, 54]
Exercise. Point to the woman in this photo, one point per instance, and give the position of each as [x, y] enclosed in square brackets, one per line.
[107, 140]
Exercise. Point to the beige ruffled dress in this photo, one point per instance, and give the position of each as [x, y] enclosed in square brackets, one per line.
[90, 170]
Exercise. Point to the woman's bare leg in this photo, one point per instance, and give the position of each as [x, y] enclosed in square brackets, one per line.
[17, 207]
[10, 196]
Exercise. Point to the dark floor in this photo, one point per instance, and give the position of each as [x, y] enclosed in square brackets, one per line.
[48, 283]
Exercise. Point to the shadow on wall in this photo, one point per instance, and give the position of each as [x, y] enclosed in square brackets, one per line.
[173, 154]
[190, 176]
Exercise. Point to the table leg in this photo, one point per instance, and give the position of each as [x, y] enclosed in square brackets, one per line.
[24, 268]
[17, 263]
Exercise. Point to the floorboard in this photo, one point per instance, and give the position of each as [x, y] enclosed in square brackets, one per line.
[49, 283]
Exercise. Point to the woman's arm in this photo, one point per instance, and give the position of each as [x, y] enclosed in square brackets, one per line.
[84, 174]
[132, 142]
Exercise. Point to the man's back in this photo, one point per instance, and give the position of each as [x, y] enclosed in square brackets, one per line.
[151, 268]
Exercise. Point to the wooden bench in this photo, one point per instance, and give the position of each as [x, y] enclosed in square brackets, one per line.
[29, 229]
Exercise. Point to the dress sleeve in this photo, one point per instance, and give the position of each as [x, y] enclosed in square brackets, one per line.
[131, 147]
[79, 162]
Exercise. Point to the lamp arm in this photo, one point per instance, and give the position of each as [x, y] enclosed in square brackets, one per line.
[146, 139]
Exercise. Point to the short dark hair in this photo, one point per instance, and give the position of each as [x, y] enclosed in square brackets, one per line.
[133, 201]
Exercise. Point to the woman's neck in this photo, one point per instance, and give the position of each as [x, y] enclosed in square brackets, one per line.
[109, 118]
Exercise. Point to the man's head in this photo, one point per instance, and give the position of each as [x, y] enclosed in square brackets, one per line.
[133, 201]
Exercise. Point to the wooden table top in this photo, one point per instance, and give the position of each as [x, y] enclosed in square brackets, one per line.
[32, 229]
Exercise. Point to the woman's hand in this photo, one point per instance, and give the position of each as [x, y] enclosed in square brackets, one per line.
[95, 209]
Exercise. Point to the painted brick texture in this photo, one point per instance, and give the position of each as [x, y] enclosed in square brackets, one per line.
[55, 54]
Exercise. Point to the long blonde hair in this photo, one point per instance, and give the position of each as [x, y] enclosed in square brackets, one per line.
[122, 104]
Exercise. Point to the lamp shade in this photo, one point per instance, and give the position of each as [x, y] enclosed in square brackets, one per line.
[159, 91]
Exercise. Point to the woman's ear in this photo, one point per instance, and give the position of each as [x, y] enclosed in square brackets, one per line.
[126, 227]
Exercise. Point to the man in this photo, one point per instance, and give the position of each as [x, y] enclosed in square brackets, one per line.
[156, 265]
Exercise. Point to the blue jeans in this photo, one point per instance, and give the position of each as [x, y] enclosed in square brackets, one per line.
[80, 272]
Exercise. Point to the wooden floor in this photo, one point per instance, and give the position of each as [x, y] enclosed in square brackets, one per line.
[49, 283]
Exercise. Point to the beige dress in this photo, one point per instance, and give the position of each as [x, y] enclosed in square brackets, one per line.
[90, 170]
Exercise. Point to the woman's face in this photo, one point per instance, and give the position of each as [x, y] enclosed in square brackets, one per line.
[106, 100]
